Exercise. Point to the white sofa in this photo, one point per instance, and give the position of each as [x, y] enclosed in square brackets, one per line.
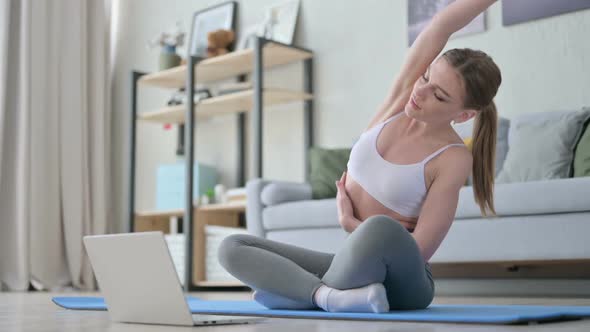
[537, 221]
[542, 223]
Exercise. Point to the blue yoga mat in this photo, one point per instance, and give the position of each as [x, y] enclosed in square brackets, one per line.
[490, 314]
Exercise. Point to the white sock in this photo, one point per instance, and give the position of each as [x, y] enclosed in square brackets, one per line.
[370, 298]
[274, 301]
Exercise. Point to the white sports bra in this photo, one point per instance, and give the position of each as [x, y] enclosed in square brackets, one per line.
[401, 188]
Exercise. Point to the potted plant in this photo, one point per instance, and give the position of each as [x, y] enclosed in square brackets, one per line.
[169, 41]
[208, 196]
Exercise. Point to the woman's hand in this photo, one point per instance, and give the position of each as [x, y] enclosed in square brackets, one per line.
[342, 200]
[345, 209]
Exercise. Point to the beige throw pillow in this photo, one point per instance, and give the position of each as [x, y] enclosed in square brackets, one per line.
[541, 146]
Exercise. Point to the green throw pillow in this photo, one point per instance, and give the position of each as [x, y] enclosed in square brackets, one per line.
[326, 167]
[582, 154]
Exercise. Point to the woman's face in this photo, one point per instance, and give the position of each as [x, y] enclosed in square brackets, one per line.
[438, 95]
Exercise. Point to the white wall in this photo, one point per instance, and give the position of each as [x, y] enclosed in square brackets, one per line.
[358, 47]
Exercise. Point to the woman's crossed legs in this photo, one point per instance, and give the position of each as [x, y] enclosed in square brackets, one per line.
[380, 250]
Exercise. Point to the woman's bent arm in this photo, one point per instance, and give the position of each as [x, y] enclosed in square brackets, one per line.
[425, 49]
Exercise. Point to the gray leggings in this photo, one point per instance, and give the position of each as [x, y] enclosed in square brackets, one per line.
[380, 249]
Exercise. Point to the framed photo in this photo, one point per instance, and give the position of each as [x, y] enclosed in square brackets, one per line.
[281, 20]
[420, 12]
[222, 16]
[518, 11]
[278, 25]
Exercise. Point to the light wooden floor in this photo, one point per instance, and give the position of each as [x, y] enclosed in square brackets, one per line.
[35, 312]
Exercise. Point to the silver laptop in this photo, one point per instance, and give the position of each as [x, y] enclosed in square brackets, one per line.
[139, 283]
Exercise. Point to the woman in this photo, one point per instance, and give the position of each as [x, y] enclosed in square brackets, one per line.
[399, 198]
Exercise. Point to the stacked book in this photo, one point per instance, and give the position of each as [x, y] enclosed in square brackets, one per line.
[236, 195]
[213, 237]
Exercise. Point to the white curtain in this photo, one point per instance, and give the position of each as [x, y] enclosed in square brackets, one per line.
[54, 139]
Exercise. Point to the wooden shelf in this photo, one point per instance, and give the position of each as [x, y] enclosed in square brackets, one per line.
[226, 66]
[230, 103]
[155, 220]
[239, 206]
[233, 206]
[160, 214]
[223, 214]
[227, 215]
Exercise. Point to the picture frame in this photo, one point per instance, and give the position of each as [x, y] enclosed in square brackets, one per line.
[281, 20]
[420, 12]
[221, 16]
[279, 25]
[520, 11]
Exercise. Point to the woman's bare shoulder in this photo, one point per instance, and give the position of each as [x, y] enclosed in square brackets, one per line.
[456, 160]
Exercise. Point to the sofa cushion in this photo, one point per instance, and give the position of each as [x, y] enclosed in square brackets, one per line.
[582, 154]
[465, 131]
[568, 230]
[501, 143]
[541, 145]
[518, 238]
[278, 192]
[326, 167]
[302, 214]
[533, 197]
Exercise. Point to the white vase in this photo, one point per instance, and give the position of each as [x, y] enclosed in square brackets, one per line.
[219, 193]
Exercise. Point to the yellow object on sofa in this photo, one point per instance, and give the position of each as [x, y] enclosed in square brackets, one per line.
[469, 142]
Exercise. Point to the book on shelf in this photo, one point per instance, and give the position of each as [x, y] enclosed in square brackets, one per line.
[236, 200]
[235, 192]
[236, 195]
[232, 87]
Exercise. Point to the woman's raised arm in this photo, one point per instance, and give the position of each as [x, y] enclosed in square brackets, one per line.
[425, 49]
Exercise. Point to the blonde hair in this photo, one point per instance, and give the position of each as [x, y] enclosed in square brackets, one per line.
[481, 79]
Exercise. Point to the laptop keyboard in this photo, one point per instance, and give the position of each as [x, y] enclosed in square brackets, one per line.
[200, 317]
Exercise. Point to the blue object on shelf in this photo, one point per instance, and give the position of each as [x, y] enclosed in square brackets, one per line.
[170, 184]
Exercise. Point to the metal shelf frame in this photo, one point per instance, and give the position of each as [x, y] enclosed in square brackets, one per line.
[256, 122]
